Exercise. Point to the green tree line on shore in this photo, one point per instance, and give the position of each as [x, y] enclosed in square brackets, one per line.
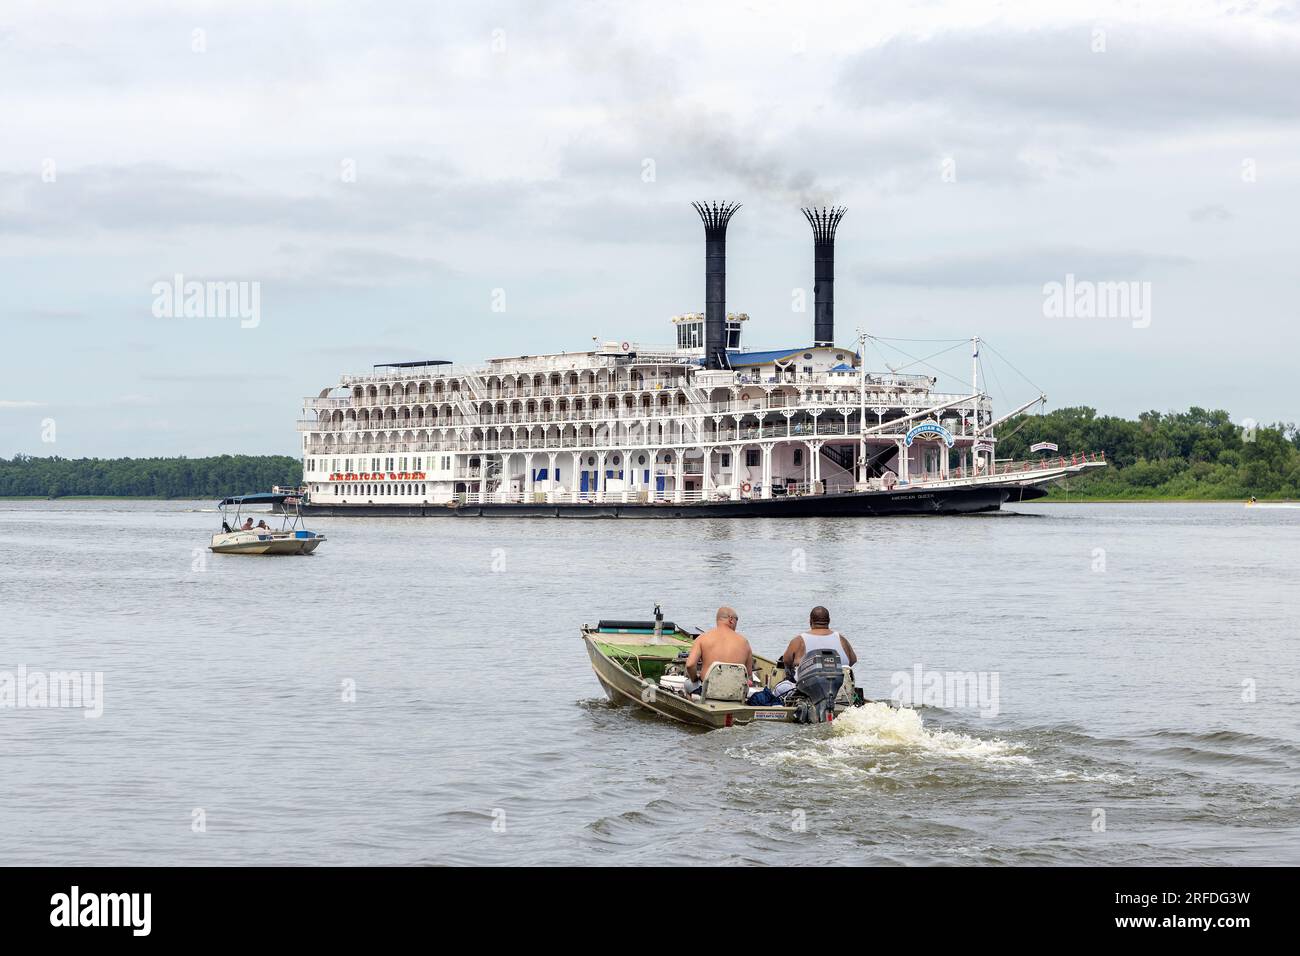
[216, 477]
[1192, 454]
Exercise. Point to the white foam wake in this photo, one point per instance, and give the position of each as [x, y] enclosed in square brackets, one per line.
[880, 731]
[879, 726]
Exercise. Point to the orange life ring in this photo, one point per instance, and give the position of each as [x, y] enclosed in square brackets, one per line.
[627, 346]
[746, 487]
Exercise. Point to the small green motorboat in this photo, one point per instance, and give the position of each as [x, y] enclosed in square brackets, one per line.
[643, 663]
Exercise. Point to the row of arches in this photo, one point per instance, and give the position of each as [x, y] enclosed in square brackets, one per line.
[517, 410]
[416, 437]
[520, 383]
[725, 399]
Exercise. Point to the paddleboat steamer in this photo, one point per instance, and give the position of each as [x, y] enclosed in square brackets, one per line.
[702, 428]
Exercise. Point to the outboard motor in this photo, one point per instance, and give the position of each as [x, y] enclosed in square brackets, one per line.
[821, 674]
[658, 636]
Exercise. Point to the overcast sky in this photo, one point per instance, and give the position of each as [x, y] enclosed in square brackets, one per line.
[381, 172]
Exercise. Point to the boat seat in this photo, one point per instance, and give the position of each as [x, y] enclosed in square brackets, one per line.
[725, 682]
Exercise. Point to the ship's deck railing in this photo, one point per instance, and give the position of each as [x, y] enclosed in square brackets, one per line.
[447, 396]
[1010, 467]
[896, 378]
[657, 355]
[841, 392]
[641, 354]
[431, 396]
[877, 384]
[510, 365]
[827, 408]
[725, 436]
[425, 373]
[476, 474]
[563, 362]
[541, 418]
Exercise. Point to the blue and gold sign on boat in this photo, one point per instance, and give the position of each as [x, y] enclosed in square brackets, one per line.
[929, 429]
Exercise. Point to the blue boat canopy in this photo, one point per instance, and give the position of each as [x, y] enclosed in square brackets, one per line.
[741, 359]
[261, 498]
[737, 359]
[420, 364]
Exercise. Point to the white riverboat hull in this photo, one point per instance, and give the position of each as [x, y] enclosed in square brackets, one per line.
[970, 495]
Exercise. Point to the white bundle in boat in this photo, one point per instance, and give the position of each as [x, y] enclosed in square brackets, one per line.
[674, 682]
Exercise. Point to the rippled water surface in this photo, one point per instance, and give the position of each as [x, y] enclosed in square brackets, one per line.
[1147, 661]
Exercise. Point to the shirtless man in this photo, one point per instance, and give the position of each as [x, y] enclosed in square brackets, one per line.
[819, 636]
[720, 644]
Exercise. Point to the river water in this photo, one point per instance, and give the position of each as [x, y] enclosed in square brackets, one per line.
[417, 692]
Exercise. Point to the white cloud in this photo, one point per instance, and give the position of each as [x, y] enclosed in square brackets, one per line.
[522, 168]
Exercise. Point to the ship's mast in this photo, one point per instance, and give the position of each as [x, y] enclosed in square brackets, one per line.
[975, 389]
[862, 403]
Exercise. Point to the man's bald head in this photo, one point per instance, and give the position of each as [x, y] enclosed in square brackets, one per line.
[727, 616]
[819, 617]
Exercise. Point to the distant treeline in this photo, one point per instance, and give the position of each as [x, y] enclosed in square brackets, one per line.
[1192, 454]
[146, 477]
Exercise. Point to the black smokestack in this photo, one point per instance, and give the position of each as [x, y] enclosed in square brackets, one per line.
[715, 218]
[823, 222]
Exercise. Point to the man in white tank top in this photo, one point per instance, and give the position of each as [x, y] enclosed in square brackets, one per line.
[819, 636]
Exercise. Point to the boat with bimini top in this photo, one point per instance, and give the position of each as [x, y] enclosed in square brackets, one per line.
[289, 538]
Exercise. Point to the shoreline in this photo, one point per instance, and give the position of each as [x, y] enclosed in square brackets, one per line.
[103, 498]
[1050, 499]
